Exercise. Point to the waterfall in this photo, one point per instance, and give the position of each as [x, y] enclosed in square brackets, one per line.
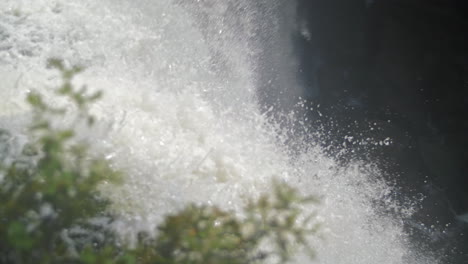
[184, 83]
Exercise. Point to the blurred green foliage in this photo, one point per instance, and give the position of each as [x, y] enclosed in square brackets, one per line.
[50, 189]
[51, 210]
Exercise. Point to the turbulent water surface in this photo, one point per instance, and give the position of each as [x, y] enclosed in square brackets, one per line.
[181, 113]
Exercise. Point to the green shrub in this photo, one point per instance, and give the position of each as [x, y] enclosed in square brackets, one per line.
[208, 235]
[50, 190]
[51, 210]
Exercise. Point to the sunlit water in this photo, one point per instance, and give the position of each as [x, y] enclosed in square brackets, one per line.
[181, 113]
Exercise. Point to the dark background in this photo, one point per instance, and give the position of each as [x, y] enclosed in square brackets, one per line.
[398, 69]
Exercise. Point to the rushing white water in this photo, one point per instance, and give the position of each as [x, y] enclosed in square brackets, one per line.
[181, 115]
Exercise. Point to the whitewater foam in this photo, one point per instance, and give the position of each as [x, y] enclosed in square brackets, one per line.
[181, 115]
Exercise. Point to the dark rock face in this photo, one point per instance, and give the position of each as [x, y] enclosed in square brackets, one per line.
[397, 69]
